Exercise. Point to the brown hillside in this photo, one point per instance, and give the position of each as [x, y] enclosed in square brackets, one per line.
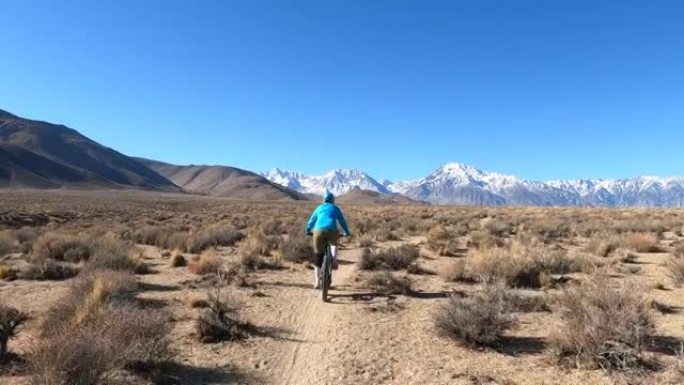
[44, 155]
[223, 181]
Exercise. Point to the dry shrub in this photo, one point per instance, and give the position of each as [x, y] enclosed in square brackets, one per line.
[549, 230]
[47, 270]
[161, 236]
[527, 302]
[480, 319]
[522, 266]
[6, 243]
[111, 253]
[395, 258]
[602, 246]
[482, 239]
[296, 248]
[387, 283]
[366, 241]
[642, 242]
[62, 247]
[25, 237]
[208, 262]
[220, 321]
[177, 259]
[219, 235]
[11, 320]
[678, 249]
[675, 269]
[7, 272]
[260, 243]
[497, 228]
[602, 325]
[234, 273]
[97, 330]
[443, 241]
[456, 272]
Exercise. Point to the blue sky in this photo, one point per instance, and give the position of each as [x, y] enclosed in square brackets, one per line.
[541, 89]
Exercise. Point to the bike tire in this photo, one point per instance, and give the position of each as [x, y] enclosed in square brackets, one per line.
[326, 276]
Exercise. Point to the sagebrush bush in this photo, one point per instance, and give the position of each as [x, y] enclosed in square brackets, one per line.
[62, 247]
[387, 283]
[11, 319]
[675, 269]
[260, 243]
[6, 243]
[642, 242]
[602, 324]
[443, 241]
[479, 319]
[110, 253]
[219, 321]
[97, 330]
[394, 258]
[297, 248]
[522, 265]
[218, 235]
[456, 272]
[208, 262]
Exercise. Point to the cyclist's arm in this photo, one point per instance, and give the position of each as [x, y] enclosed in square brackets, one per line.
[343, 222]
[312, 222]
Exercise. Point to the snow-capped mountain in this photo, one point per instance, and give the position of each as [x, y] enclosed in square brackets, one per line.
[338, 181]
[456, 183]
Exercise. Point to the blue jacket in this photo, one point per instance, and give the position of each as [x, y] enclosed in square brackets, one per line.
[325, 217]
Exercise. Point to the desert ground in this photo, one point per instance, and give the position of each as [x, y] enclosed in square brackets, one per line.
[124, 287]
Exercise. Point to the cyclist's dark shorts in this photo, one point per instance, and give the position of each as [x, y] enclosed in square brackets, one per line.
[321, 238]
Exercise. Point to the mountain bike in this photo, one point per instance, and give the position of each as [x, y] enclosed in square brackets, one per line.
[325, 278]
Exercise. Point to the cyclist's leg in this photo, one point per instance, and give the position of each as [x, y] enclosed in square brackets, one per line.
[319, 245]
[334, 237]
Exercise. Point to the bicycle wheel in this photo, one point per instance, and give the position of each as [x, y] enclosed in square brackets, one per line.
[326, 276]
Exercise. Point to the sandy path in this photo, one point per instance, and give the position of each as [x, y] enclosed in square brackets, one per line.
[313, 354]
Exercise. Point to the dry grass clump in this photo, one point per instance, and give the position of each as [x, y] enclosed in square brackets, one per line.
[63, 247]
[219, 321]
[208, 262]
[457, 271]
[260, 243]
[602, 246]
[482, 239]
[642, 242]
[96, 331]
[549, 230]
[6, 243]
[296, 248]
[165, 237]
[602, 325]
[7, 272]
[522, 266]
[220, 235]
[675, 270]
[678, 249]
[394, 258]
[443, 241]
[387, 283]
[111, 253]
[11, 320]
[480, 319]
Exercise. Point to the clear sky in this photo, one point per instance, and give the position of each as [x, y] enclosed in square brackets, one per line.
[542, 89]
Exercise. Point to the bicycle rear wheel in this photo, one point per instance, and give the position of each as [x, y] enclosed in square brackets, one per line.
[326, 275]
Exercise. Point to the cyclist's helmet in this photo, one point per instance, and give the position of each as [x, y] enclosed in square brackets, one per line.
[329, 197]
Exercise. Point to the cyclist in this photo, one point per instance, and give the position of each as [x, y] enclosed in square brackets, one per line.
[323, 226]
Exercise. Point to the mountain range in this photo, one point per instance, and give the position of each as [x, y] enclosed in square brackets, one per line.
[36, 154]
[460, 184]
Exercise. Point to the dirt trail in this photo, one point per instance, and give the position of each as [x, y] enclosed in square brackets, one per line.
[317, 339]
